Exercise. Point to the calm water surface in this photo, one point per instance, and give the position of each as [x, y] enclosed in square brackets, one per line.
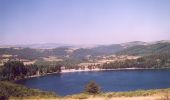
[123, 80]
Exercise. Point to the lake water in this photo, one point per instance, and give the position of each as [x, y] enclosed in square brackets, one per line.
[122, 80]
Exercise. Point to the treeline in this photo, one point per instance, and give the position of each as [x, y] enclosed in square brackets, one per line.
[14, 70]
[152, 61]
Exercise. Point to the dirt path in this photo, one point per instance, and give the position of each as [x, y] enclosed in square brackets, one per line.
[106, 98]
[126, 98]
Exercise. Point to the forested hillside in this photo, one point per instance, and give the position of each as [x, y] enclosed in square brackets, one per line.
[161, 60]
[108, 49]
[131, 48]
[143, 50]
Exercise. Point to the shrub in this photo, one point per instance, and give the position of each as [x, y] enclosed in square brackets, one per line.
[92, 88]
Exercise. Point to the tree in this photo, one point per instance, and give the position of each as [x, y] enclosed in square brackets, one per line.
[14, 69]
[92, 88]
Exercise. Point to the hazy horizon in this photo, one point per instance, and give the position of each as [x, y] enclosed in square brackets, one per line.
[74, 44]
[83, 21]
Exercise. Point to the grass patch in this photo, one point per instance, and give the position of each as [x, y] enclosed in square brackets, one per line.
[137, 93]
[79, 96]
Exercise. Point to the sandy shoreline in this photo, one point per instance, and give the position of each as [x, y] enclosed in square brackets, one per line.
[74, 70]
[97, 69]
[89, 70]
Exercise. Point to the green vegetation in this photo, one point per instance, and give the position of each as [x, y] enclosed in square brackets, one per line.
[108, 49]
[25, 53]
[92, 88]
[68, 63]
[137, 93]
[34, 54]
[152, 61]
[11, 90]
[83, 53]
[145, 50]
[163, 93]
[14, 70]
[152, 56]
[132, 49]
[14, 91]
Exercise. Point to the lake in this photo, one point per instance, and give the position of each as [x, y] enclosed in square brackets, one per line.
[119, 80]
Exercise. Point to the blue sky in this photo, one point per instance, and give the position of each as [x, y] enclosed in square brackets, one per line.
[83, 21]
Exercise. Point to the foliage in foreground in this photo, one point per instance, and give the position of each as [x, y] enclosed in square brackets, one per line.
[9, 90]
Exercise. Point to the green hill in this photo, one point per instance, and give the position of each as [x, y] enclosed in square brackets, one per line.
[144, 50]
[11, 90]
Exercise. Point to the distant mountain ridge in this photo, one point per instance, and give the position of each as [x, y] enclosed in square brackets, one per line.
[89, 46]
[133, 43]
[47, 46]
[137, 48]
[38, 46]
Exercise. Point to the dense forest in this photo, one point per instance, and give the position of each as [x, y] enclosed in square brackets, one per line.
[14, 70]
